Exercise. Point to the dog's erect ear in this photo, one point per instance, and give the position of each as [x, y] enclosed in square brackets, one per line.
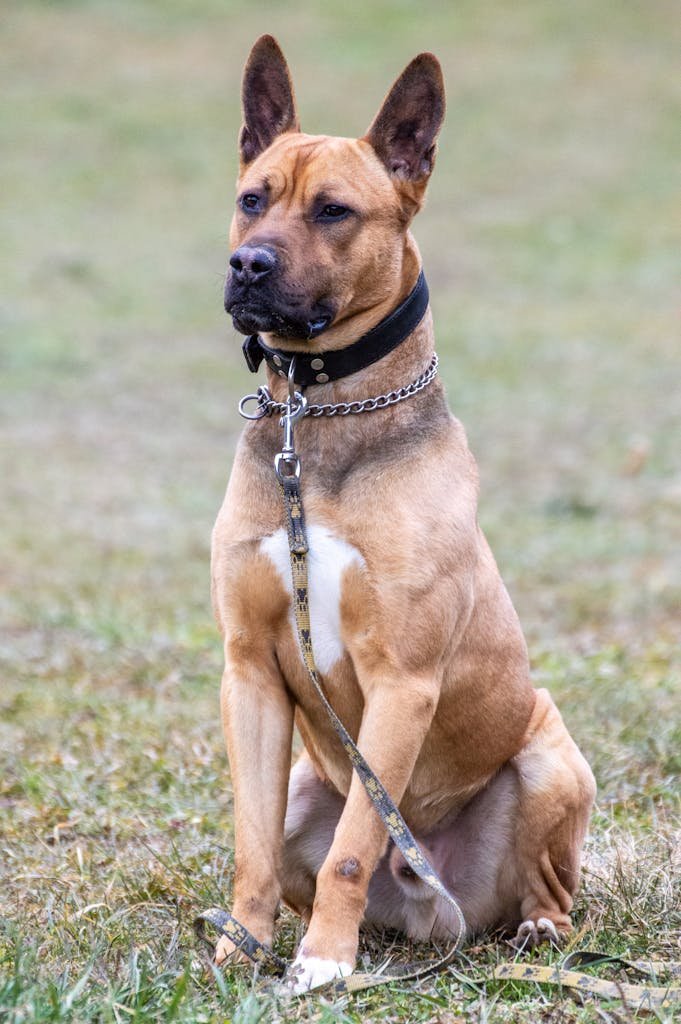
[405, 130]
[267, 99]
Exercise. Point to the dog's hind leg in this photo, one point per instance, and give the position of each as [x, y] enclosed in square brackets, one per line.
[555, 796]
[511, 856]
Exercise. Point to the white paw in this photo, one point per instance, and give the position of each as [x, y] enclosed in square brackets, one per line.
[531, 934]
[308, 972]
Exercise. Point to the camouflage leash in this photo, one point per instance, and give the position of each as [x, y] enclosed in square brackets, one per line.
[638, 997]
[395, 824]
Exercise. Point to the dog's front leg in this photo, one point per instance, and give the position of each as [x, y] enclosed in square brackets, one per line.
[397, 715]
[257, 718]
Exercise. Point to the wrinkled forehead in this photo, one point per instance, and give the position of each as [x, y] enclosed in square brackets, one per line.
[307, 167]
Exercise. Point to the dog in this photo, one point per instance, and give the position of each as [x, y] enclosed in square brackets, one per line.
[418, 644]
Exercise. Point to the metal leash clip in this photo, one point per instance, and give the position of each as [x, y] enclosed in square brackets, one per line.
[287, 463]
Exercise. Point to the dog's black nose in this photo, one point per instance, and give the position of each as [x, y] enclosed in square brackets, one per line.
[251, 263]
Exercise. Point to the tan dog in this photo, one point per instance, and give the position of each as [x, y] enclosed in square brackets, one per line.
[420, 649]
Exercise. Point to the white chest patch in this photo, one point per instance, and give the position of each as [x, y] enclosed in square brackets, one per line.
[327, 560]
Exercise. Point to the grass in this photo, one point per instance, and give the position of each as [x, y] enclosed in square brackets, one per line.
[551, 245]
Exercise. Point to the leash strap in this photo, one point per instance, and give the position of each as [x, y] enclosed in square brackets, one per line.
[395, 824]
[650, 997]
[258, 953]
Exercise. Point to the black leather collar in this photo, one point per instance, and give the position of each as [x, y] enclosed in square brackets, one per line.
[321, 367]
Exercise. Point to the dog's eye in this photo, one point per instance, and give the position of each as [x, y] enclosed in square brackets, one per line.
[250, 203]
[333, 211]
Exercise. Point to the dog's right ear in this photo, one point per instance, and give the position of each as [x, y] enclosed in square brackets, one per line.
[268, 102]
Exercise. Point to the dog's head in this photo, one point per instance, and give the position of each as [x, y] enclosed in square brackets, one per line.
[320, 232]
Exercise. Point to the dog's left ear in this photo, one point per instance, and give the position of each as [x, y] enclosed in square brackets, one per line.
[267, 98]
[405, 130]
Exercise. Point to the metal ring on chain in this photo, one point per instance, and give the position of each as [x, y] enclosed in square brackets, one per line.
[266, 405]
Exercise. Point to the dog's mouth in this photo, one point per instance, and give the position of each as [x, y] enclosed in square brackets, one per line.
[251, 315]
[256, 321]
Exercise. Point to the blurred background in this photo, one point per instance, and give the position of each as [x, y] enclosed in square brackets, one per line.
[551, 244]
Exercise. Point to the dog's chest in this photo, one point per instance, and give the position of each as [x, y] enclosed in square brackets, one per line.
[328, 559]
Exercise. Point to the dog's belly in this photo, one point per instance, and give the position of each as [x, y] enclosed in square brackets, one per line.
[328, 558]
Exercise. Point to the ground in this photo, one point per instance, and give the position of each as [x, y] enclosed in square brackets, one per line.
[550, 241]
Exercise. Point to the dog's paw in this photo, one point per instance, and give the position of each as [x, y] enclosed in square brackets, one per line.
[307, 972]
[534, 933]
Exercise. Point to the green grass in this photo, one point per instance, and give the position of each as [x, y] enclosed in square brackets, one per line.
[551, 242]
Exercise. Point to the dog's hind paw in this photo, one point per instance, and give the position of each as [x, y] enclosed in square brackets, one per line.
[307, 972]
[534, 933]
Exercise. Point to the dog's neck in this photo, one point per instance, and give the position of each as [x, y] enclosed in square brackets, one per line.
[333, 448]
